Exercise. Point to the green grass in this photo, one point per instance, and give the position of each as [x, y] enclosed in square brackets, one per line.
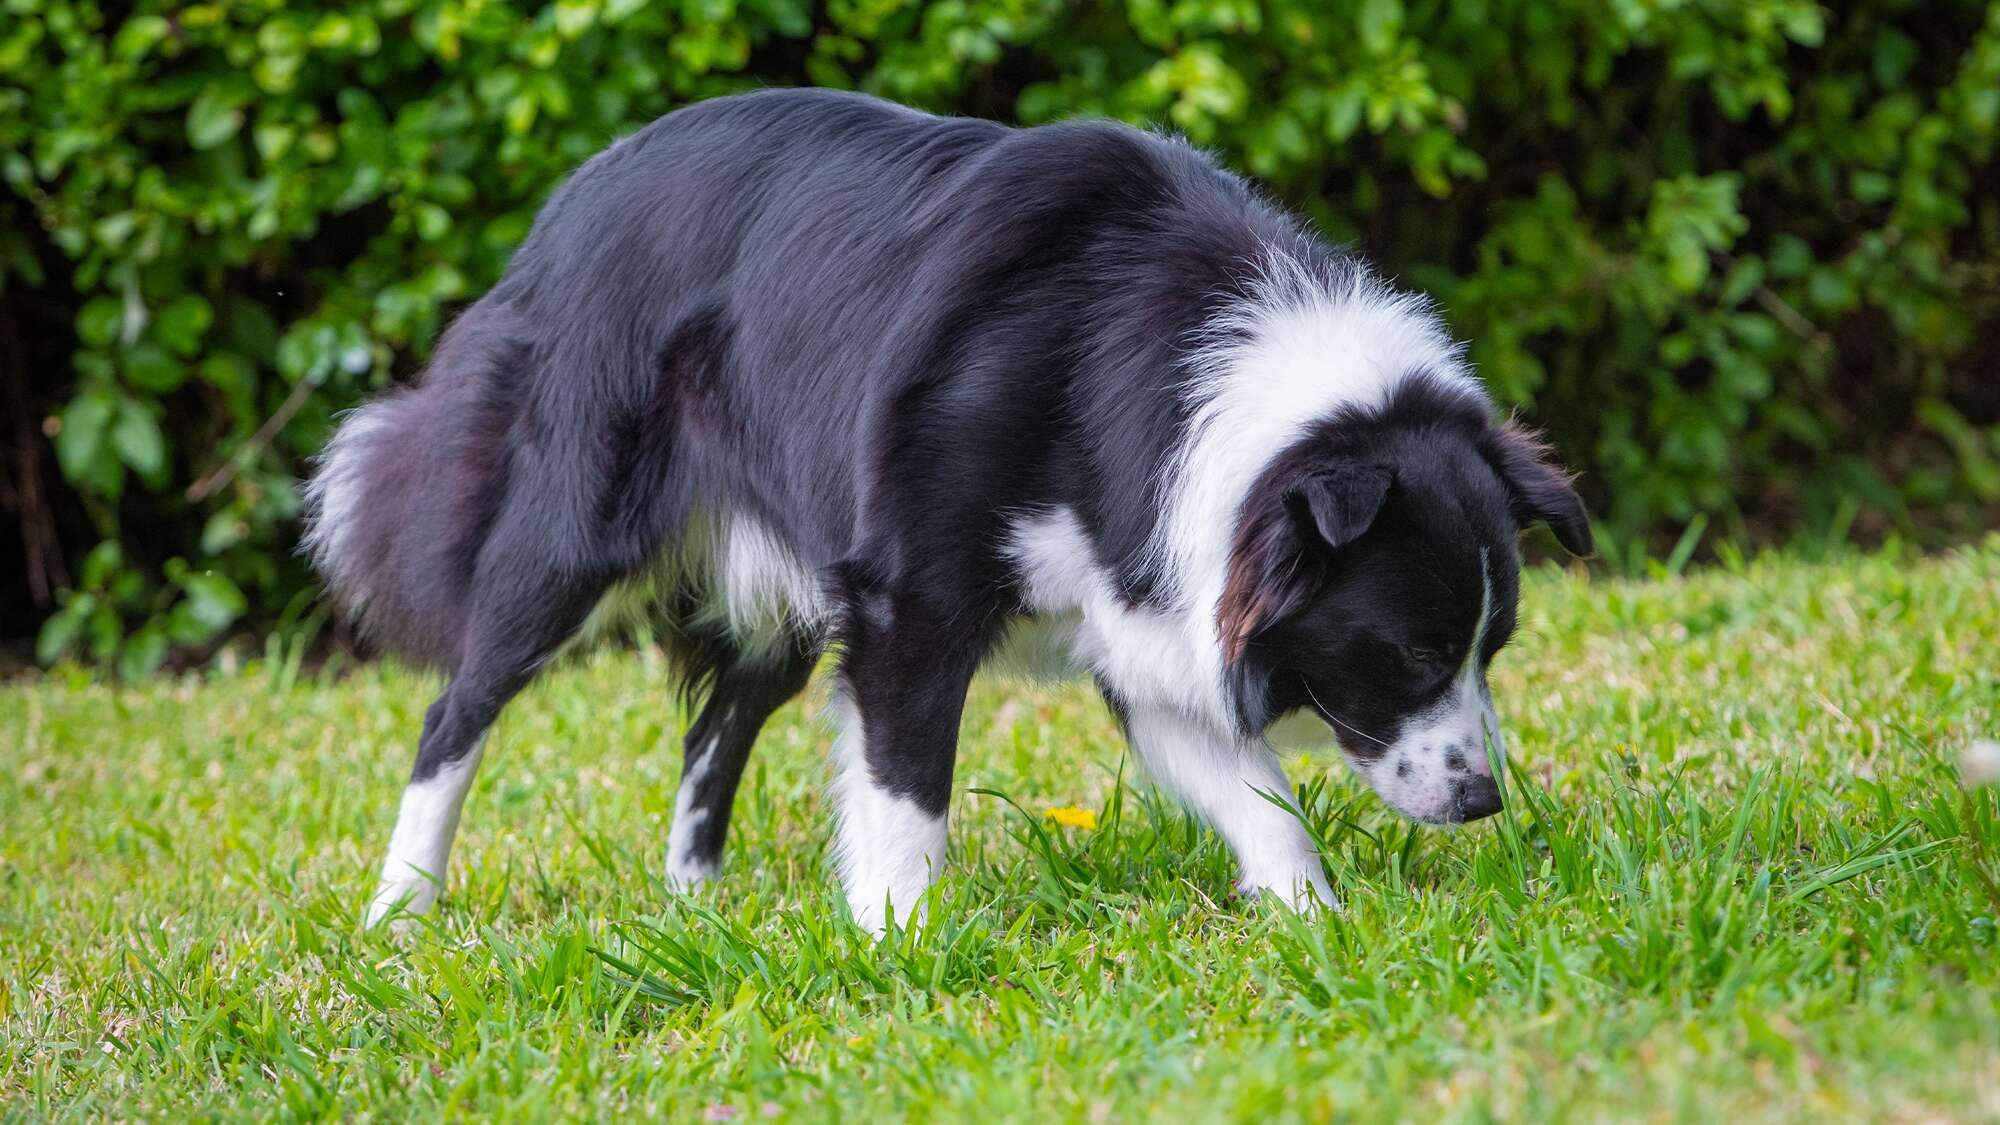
[1738, 879]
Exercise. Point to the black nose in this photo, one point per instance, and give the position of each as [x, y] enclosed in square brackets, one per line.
[1476, 797]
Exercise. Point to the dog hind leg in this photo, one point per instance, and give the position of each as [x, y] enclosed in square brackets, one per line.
[522, 610]
[744, 693]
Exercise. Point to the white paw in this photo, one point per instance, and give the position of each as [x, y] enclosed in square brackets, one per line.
[413, 892]
[1307, 893]
[872, 917]
[685, 876]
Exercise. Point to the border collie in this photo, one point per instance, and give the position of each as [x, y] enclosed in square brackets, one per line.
[813, 371]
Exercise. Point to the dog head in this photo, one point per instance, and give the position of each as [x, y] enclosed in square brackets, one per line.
[1374, 577]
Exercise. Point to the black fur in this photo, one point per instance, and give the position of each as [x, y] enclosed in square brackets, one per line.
[874, 330]
[879, 334]
[1350, 612]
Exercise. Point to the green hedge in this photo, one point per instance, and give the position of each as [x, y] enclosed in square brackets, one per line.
[1741, 257]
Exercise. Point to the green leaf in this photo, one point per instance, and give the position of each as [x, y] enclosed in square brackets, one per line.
[246, 327]
[63, 628]
[181, 325]
[101, 565]
[81, 441]
[214, 601]
[224, 530]
[183, 628]
[1804, 24]
[1380, 23]
[98, 322]
[143, 653]
[1679, 349]
[309, 352]
[521, 112]
[1687, 261]
[1741, 281]
[1830, 290]
[112, 230]
[150, 368]
[136, 437]
[228, 372]
[334, 29]
[790, 18]
[212, 119]
[1343, 115]
[273, 139]
[138, 35]
[574, 17]
[433, 221]
[19, 254]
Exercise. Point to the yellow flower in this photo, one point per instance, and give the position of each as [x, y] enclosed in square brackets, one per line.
[1072, 816]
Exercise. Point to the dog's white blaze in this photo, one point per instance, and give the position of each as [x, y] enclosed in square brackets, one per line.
[1225, 782]
[1297, 350]
[420, 846]
[1413, 775]
[887, 848]
[684, 870]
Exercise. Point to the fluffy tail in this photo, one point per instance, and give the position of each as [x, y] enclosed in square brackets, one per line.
[400, 502]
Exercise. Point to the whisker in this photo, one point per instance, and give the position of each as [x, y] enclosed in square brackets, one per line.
[1337, 720]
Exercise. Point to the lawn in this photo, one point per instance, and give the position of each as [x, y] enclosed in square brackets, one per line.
[1738, 879]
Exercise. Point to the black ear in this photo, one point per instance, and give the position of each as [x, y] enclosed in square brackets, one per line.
[1541, 490]
[1276, 562]
[1342, 500]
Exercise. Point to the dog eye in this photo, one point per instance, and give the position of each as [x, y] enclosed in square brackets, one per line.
[1424, 657]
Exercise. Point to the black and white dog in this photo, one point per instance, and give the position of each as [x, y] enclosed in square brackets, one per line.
[810, 369]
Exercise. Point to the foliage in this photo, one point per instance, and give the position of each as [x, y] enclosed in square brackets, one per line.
[1739, 882]
[1741, 258]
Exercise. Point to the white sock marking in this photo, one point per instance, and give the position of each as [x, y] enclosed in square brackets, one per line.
[685, 871]
[426, 822]
[887, 848]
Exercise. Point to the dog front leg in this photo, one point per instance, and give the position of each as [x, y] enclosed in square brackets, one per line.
[904, 680]
[1226, 781]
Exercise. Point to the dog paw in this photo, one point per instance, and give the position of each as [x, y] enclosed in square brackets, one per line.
[876, 916]
[685, 877]
[1307, 894]
[398, 900]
